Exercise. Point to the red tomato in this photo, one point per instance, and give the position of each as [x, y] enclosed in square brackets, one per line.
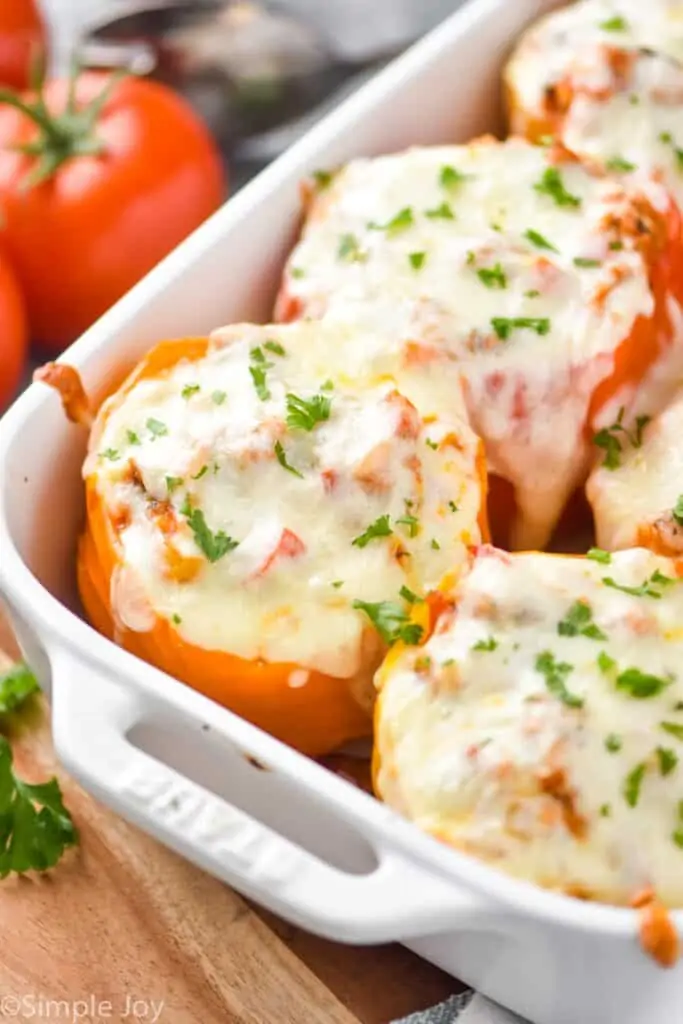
[13, 333]
[22, 37]
[116, 185]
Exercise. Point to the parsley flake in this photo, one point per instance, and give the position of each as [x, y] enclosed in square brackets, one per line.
[668, 759]
[410, 597]
[417, 259]
[552, 185]
[390, 621]
[274, 346]
[173, 482]
[380, 528]
[493, 277]
[605, 663]
[598, 555]
[412, 522]
[401, 222]
[112, 454]
[350, 250]
[282, 459]
[633, 783]
[579, 622]
[156, 427]
[677, 511]
[619, 164]
[613, 743]
[451, 177]
[556, 673]
[189, 390]
[615, 24]
[303, 414]
[176, 619]
[218, 397]
[441, 212]
[133, 438]
[503, 326]
[539, 240]
[485, 645]
[587, 264]
[641, 685]
[673, 728]
[213, 545]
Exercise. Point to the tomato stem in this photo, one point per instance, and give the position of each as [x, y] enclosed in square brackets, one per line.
[61, 136]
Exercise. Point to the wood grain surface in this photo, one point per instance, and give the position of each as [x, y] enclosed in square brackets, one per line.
[125, 930]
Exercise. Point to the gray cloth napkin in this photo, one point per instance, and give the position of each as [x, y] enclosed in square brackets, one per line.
[465, 1008]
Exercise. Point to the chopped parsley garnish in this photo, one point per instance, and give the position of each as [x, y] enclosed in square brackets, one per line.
[303, 414]
[442, 212]
[218, 397]
[17, 684]
[615, 24]
[417, 259]
[587, 264]
[668, 759]
[677, 837]
[646, 589]
[641, 685]
[412, 522]
[156, 427]
[556, 673]
[673, 728]
[337, 584]
[453, 507]
[202, 472]
[451, 177]
[189, 390]
[605, 663]
[133, 438]
[391, 621]
[503, 326]
[431, 444]
[274, 346]
[632, 784]
[616, 246]
[613, 743]
[485, 645]
[435, 545]
[380, 528]
[598, 555]
[176, 619]
[666, 137]
[282, 459]
[173, 483]
[322, 179]
[605, 811]
[493, 277]
[611, 443]
[297, 273]
[618, 163]
[259, 365]
[551, 185]
[31, 838]
[579, 622]
[401, 222]
[112, 454]
[328, 385]
[213, 545]
[350, 250]
[539, 240]
[410, 597]
[533, 293]
[677, 511]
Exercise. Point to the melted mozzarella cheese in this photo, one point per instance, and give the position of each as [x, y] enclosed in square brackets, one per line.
[239, 522]
[545, 740]
[472, 250]
[634, 502]
[622, 64]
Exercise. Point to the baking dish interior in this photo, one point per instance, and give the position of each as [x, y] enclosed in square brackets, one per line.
[445, 89]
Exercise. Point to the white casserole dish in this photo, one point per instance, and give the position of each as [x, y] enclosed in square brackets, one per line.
[294, 837]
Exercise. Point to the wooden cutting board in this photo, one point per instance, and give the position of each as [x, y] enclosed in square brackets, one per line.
[124, 930]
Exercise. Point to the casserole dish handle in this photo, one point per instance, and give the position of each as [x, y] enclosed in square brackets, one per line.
[92, 720]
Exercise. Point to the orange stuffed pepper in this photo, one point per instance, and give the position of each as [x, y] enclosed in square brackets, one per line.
[540, 726]
[606, 79]
[547, 282]
[269, 509]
